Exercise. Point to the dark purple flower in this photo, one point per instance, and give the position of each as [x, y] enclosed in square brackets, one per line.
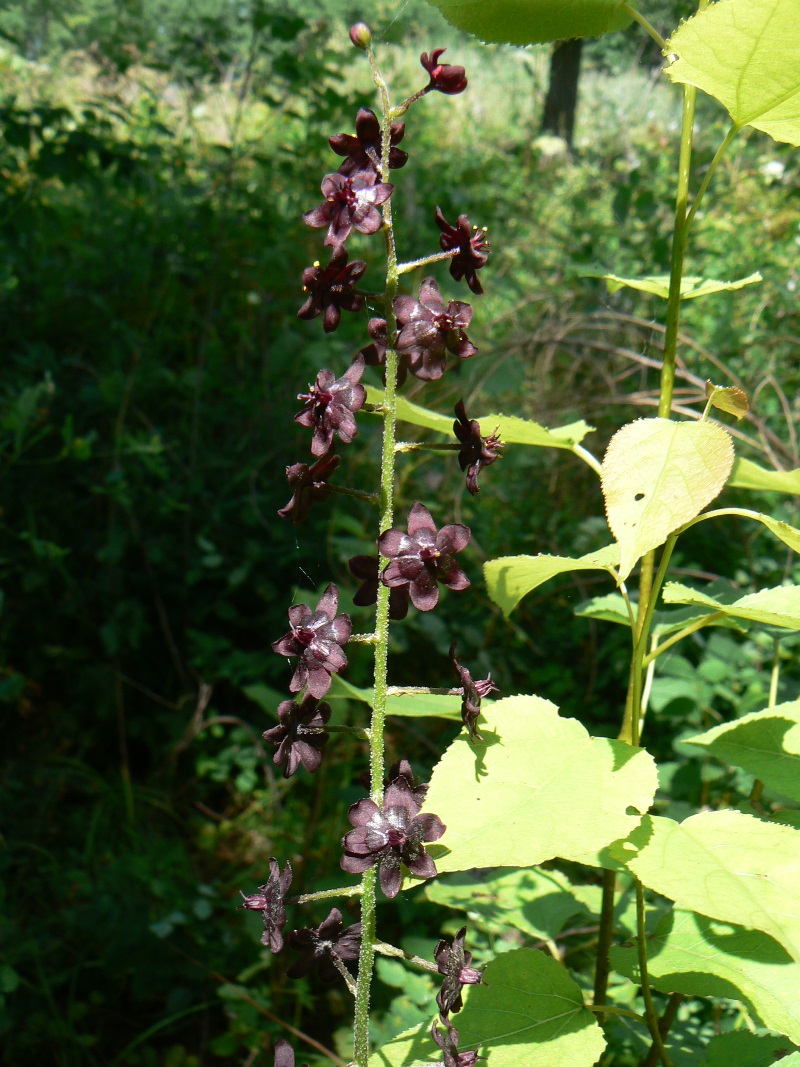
[366, 569]
[423, 557]
[375, 354]
[316, 637]
[473, 694]
[390, 836]
[309, 485]
[402, 769]
[331, 405]
[299, 736]
[475, 451]
[363, 152]
[284, 1054]
[351, 203]
[429, 330]
[445, 77]
[269, 901]
[448, 1043]
[331, 289]
[317, 948]
[472, 245]
[454, 963]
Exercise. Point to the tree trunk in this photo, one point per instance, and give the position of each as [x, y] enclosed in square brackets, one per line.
[562, 93]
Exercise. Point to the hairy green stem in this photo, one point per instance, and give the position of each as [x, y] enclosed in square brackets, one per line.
[701, 192]
[385, 949]
[437, 257]
[425, 446]
[698, 624]
[366, 957]
[324, 894]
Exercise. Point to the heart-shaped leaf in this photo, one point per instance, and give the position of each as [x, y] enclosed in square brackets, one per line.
[533, 21]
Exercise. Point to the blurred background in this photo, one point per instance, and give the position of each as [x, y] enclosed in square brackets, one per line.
[155, 159]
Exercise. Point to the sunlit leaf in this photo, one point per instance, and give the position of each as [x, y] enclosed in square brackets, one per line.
[727, 398]
[530, 1013]
[658, 284]
[503, 799]
[410, 705]
[771, 607]
[509, 578]
[657, 475]
[696, 956]
[512, 430]
[748, 475]
[533, 21]
[747, 56]
[764, 743]
[727, 866]
[608, 608]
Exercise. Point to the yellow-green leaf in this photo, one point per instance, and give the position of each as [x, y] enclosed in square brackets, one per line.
[746, 54]
[658, 284]
[770, 607]
[656, 476]
[509, 578]
[748, 475]
[728, 398]
[533, 21]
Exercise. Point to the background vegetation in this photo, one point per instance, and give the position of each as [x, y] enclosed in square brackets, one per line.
[155, 158]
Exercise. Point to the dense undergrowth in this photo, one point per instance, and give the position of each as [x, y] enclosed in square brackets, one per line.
[148, 289]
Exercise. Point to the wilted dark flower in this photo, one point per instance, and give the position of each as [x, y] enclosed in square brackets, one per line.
[423, 557]
[331, 289]
[363, 152]
[331, 405]
[473, 694]
[402, 769]
[351, 203]
[309, 485]
[391, 836]
[476, 451]
[269, 900]
[375, 354]
[473, 247]
[317, 947]
[454, 963]
[298, 735]
[429, 330]
[316, 637]
[284, 1054]
[445, 77]
[448, 1043]
[366, 569]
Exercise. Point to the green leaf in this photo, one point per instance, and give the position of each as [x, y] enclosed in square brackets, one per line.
[509, 578]
[530, 1013]
[656, 476]
[513, 430]
[764, 743]
[658, 284]
[697, 956]
[772, 607]
[748, 475]
[740, 1048]
[609, 608]
[728, 866]
[727, 398]
[790, 535]
[409, 705]
[539, 903]
[747, 56]
[503, 799]
[265, 696]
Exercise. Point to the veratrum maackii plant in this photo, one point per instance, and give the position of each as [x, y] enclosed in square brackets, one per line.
[665, 913]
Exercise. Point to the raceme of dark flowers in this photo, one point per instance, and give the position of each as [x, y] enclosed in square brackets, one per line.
[429, 330]
[423, 557]
[366, 569]
[316, 638]
[351, 203]
[473, 693]
[391, 836]
[299, 735]
[309, 485]
[331, 289]
[269, 900]
[472, 245]
[476, 452]
[330, 406]
[454, 962]
[362, 152]
[448, 1043]
[445, 77]
[316, 948]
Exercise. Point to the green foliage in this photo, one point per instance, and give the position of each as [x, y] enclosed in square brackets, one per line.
[534, 21]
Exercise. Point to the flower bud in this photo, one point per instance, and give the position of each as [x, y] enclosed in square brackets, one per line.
[361, 35]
